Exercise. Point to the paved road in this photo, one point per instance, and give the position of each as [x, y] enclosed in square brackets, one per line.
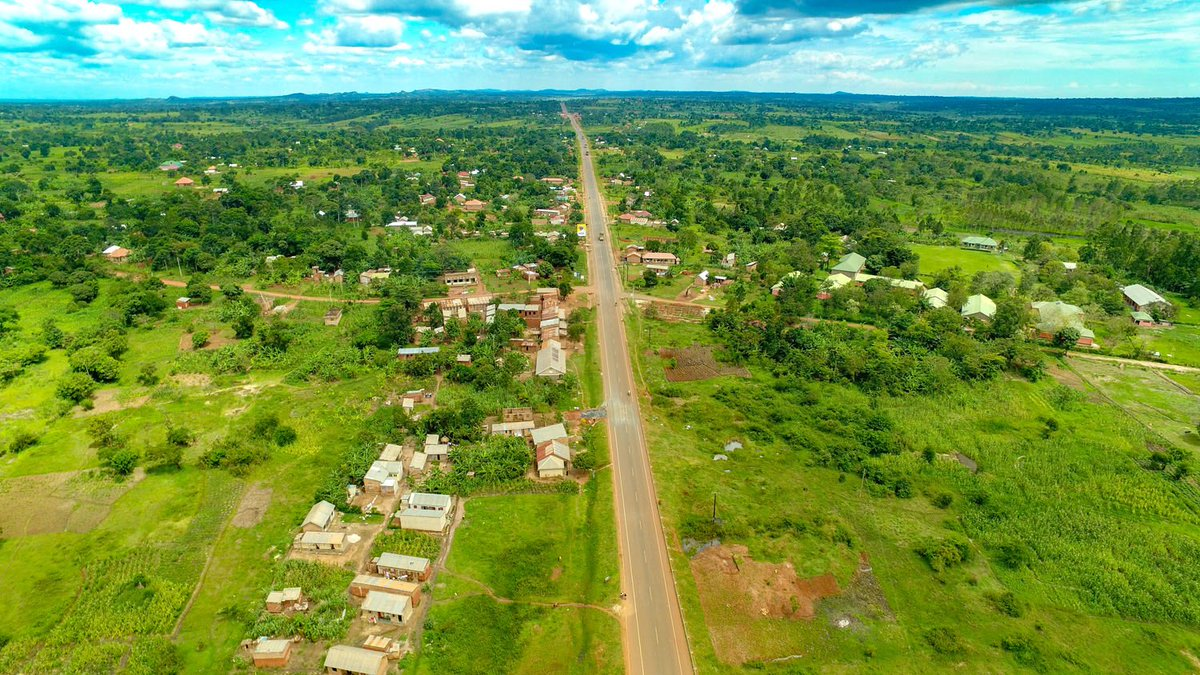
[655, 642]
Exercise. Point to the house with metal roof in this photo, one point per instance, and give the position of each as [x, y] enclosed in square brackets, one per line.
[426, 512]
[387, 607]
[406, 353]
[1142, 319]
[285, 600]
[320, 542]
[272, 653]
[319, 517]
[551, 361]
[548, 433]
[1142, 299]
[975, 243]
[850, 265]
[1057, 315]
[406, 567]
[979, 307]
[347, 660]
[553, 458]
[935, 297]
[365, 583]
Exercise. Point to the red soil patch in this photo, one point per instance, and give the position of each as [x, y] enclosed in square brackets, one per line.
[737, 592]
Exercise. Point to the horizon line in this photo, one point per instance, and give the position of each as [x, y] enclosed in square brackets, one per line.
[586, 93]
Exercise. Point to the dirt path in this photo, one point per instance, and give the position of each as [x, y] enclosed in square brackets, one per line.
[208, 559]
[1134, 362]
[491, 593]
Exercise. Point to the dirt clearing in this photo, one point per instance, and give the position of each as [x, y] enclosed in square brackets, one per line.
[253, 507]
[737, 593]
[106, 401]
[697, 363]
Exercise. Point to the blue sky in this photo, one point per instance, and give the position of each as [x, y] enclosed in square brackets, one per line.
[70, 49]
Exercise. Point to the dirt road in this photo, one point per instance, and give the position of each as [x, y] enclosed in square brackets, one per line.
[655, 641]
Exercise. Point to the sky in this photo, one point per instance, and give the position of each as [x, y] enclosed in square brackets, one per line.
[88, 49]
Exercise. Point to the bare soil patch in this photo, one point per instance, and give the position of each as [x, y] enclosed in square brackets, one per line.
[737, 592]
[697, 363]
[193, 379]
[253, 507]
[70, 501]
[106, 401]
[215, 341]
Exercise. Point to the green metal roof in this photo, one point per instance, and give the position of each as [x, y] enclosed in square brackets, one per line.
[979, 304]
[980, 241]
[851, 262]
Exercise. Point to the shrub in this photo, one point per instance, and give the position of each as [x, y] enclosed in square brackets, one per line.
[284, 436]
[148, 375]
[1025, 651]
[122, 461]
[179, 436]
[941, 499]
[22, 440]
[167, 456]
[1014, 554]
[199, 339]
[944, 640]
[942, 554]
[1006, 603]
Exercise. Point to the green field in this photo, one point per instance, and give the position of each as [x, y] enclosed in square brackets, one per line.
[1071, 604]
[515, 564]
[937, 258]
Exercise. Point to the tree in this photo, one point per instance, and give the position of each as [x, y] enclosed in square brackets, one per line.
[96, 363]
[649, 278]
[1066, 338]
[75, 387]
[8, 320]
[148, 375]
[52, 335]
[167, 456]
[122, 461]
[1012, 315]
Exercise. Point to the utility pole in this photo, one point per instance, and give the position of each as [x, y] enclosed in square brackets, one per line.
[714, 507]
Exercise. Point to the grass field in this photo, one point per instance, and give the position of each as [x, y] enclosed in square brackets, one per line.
[536, 552]
[936, 258]
[96, 535]
[1067, 609]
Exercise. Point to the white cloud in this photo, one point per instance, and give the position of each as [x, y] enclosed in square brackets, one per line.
[29, 12]
[226, 12]
[372, 30]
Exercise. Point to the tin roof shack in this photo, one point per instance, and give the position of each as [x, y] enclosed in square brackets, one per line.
[551, 361]
[365, 583]
[347, 660]
[319, 517]
[391, 453]
[383, 477]
[387, 608]
[425, 512]
[320, 542]
[272, 653]
[417, 463]
[405, 567]
[383, 645]
[287, 600]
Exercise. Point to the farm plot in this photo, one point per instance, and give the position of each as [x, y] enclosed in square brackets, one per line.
[68, 501]
[1149, 396]
[695, 363]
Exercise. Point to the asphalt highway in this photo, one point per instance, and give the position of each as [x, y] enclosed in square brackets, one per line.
[655, 641]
